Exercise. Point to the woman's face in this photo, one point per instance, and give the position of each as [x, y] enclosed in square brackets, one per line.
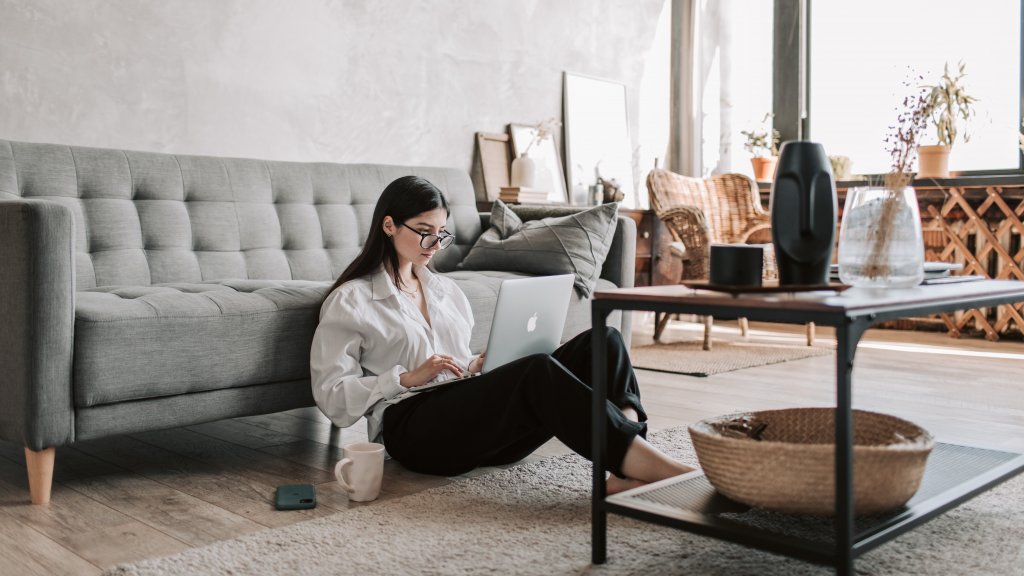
[407, 240]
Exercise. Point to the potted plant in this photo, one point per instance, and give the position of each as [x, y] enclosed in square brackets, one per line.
[765, 149]
[946, 103]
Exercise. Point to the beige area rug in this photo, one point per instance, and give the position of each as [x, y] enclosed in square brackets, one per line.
[688, 358]
[535, 519]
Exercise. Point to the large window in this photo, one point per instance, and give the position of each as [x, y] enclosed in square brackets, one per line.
[861, 53]
[736, 79]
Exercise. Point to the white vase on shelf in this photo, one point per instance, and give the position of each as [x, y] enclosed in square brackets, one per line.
[524, 172]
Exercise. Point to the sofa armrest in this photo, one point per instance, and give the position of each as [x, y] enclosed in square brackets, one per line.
[37, 319]
[620, 264]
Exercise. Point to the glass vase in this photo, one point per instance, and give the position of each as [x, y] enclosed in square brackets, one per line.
[880, 240]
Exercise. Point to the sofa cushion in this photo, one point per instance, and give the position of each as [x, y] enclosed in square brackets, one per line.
[481, 288]
[573, 244]
[143, 342]
[139, 342]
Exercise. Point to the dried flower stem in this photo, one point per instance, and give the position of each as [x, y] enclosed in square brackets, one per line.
[902, 145]
[542, 132]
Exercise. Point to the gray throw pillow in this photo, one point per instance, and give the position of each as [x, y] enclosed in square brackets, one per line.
[573, 244]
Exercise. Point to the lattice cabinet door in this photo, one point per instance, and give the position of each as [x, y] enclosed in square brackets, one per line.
[984, 233]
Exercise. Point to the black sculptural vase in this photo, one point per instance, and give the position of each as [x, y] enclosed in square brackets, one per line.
[803, 211]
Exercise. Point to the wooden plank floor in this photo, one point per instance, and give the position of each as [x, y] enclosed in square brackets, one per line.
[132, 497]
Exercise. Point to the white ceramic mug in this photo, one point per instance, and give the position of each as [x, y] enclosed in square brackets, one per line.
[360, 472]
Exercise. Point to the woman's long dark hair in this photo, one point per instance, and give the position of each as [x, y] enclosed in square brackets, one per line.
[402, 199]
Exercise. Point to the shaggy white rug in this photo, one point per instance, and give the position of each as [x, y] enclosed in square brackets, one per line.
[535, 519]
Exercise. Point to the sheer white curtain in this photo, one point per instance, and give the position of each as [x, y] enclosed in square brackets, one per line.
[722, 82]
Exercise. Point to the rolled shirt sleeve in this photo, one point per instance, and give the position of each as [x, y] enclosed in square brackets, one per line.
[341, 388]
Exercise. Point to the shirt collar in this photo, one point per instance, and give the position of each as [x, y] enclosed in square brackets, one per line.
[384, 287]
[435, 285]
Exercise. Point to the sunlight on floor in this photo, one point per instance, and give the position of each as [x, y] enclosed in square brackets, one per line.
[944, 350]
[683, 330]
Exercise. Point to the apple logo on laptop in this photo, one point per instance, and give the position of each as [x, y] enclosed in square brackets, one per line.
[531, 324]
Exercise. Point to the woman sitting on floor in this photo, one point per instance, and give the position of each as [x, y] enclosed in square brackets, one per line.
[390, 325]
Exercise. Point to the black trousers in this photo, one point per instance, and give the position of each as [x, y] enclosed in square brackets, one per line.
[504, 415]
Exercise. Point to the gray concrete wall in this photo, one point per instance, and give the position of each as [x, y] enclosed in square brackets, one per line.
[392, 81]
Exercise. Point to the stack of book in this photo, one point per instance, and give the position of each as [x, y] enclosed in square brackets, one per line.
[517, 195]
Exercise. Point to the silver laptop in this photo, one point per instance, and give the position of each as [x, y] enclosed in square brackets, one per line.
[528, 319]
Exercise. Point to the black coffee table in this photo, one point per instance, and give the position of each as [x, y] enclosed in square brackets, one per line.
[954, 473]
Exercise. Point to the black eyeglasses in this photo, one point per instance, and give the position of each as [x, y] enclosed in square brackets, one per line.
[427, 241]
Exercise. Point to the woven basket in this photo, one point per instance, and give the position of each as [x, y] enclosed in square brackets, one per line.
[784, 460]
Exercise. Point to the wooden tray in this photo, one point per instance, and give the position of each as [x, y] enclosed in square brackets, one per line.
[769, 286]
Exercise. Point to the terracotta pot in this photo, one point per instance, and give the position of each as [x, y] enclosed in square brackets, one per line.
[933, 161]
[764, 168]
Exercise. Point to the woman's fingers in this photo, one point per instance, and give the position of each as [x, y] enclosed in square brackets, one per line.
[438, 363]
[452, 366]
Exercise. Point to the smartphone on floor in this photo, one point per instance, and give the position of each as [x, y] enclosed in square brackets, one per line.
[295, 497]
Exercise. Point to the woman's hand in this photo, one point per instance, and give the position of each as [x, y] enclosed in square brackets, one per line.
[477, 364]
[429, 370]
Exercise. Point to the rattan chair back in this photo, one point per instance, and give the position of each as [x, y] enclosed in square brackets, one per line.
[725, 208]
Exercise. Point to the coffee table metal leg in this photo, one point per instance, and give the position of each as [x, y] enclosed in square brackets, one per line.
[599, 376]
[847, 336]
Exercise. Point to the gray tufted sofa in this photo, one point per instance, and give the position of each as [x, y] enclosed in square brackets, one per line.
[141, 291]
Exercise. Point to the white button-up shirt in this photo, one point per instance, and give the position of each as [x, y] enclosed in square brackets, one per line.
[369, 334]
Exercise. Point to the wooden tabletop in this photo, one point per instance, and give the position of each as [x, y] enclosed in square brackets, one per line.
[851, 302]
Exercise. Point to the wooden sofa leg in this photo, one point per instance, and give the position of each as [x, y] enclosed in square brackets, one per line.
[744, 328]
[810, 333]
[40, 473]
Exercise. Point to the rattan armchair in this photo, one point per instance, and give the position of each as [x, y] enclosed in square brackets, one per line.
[699, 212]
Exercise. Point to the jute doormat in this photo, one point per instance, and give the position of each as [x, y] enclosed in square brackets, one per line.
[688, 358]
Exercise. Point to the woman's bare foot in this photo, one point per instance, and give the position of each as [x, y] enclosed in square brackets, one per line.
[615, 484]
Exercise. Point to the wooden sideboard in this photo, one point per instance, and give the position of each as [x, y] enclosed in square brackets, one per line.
[975, 221]
[655, 266]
